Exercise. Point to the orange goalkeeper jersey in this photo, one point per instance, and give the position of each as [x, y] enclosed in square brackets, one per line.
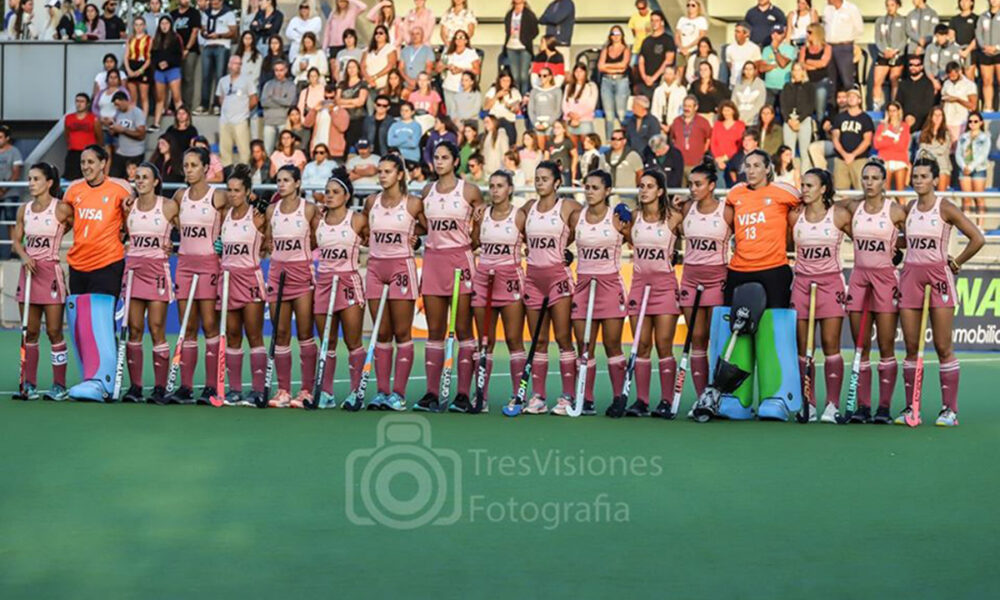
[97, 222]
[760, 225]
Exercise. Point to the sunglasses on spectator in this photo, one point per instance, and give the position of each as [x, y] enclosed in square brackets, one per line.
[617, 139]
[319, 153]
[381, 105]
[974, 121]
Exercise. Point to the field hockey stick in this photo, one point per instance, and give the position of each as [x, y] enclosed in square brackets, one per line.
[175, 360]
[634, 352]
[851, 404]
[122, 339]
[675, 404]
[913, 417]
[359, 394]
[484, 340]
[514, 409]
[576, 409]
[449, 348]
[218, 399]
[321, 369]
[22, 387]
[807, 377]
[269, 372]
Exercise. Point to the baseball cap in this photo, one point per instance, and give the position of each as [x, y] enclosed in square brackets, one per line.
[854, 89]
[779, 28]
[362, 144]
[52, 4]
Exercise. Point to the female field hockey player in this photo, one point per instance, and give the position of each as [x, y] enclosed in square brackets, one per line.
[448, 204]
[395, 217]
[874, 286]
[340, 233]
[201, 211]
[818, 228]
[707, 227]
[548, 230]
[244, 236]
[928, 230]
[149, 222]
[499, 236]
[41, 223]
[292, 242]
[599, 235]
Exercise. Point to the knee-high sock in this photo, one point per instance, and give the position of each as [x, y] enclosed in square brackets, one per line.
[833, 371]
[307, 356]
[356, 364]
[865, 384]
[161, 363]
[283, 366]
[383, 367]
[540, 370]
[404, 364]
[234, 368]
[949, 373]
[643, 375]
[212, 362]
[668, 369]
[616, 372]
[258, 368]
[189, 361]
[588, 385]
[31, 363]
[699, 370]
[466, 365]
[567, 371]
[909, 376]
[60, 357]
[888, 370]
[812, 389]
[434, 364]
[331, 368]
[517, 362]
[133, 356]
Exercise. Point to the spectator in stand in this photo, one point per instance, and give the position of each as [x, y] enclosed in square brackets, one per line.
[275, 54]
[816, 56]
[963, 26]
[469, 101]
[709, 91]
[529, 155]
[734, 168]
[11, 165]
[691, 28]
[219, 31]
[21, 25]
[395, 91]
[187, 24]
[417, 57]
[972, 155]
[114, 26]
[843, 25]
[512, 163]
[314, 93]
[916, 94]
[892, 143]
[129, 129]
[503, 101]
[260, 164]
[363, 166]
[377, 126]
[661, 156]
[459, 58]
[287, 153]
[301, 24]
[520, 30]
[762, 19]
[309, 56]
[776, 63]
[562, 151]
[247, 14]
[558, 19]
[890, 44]
[110, 63]
[82, 129]
[750, 94]
[798, 21]
[769, 133]
[727, 134]
[404, 135]
[544, 106]
[350, 51]
[550, 58]
[266, 22]
[426, 101]
[936, 141]
[62, 24]
[237, 95]
[276, 97]
[352, 94]
[668, 99]
[104, 107]
[691, 133]
[613, 65]
[138, 63]
[988, 41]
[318, 171]
[167, 56]
[181, 133]
[640, 24]
[920, 24]
[380, 58]
[784, 168]
[444, 129]
[495, 144]
[640, 126]
[958, 96]
[657, 52]
[167, 160]
[625, 165]
[798, 105]
[419, 16]
[579, 103]
[740, 52]
[703, 52]
[93, 25]
[939, 54]
[343, 18]
[384, 13]
[476, 175]
[469, 145]
[592, 159]
[215, 170]
[458, 17]
[852, 137]
[253, 62]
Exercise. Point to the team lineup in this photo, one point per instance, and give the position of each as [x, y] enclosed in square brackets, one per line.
[487, 262]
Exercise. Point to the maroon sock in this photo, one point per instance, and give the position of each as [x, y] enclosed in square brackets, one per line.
[283, 366]
[888, 371]
[540, 371]
[588, 385]
[212, 361]
[865, 384]
[133, 356]
[812, 391]
[59, 360]
[517, 362]
[161, 364]
[434, 364]
[404, 364]
[668, 369]
[31, 363]
[307, 355]
[699, 371]
[258, 368]
[833, 371]
[949, 373]
[329, 371]
[643, 375]
[189, 361]
[234, 368]
[616, 372]
[909, 375]
[356, 364]
[383, 366]
[466, 366]
[567, 371]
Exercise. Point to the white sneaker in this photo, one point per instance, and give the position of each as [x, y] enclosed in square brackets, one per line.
[562, 406]
[947, 418]
[813, 414]
[536, 406]
[830, 414]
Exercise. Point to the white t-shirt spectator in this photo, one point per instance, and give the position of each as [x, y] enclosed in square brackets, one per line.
[737, 56]
[101, 79]
[130, 119]
[499, 110]
[297, 28]
[218, 24]
[453, 22]
[688, 28]
[315, 175]
[235, 95]
[453, 81]
[356, 161]
[954, 113]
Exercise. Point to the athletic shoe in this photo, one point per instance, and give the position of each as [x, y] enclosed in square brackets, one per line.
[57, 393]
[588, 408]
[537, 406]
[216, 111]
[882, 417]
[461, 404]
[616, 409]
[299, 401]
[30, 393]
[250, 399]
[562, 406]
[394, 402]
[199, 110]
[813, 414]
[428, 403]
[863, 415]
[159, 396]
[233, 398]
[830, 414]
[154, 127]
[133, 395]
[377, 401]
[901, 419]
[638, 409]
[183, 395]
[282, 399]
[327, 400]
[207, 392]
[662, 410]
[947, 418]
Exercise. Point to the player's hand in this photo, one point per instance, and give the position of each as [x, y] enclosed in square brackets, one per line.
[954, 266]
[217, 245]
[568, 257]
[897, 257]
[30, 265]
[623, 213]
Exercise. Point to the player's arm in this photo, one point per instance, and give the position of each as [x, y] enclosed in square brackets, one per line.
[954, 216]
[571, 210]
[17, 239]
[359, 221]
[415, 205]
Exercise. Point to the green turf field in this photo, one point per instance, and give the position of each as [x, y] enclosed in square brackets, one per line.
[125, 501]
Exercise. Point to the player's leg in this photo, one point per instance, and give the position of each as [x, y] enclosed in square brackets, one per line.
[253, 327]
[562, 329]
[513, 328]
[540, 362]
[643, 361]
[942, 321]
[699, 348]
[303, 307]
[282, 331]
[156, 316]
[436, 311]
[234, 355]
[888, 367]
[833, 365]
[31, 351]
[189, 350]
[133, 349]
[402, 332]
[351, 321]
[665, 327]
[210, 325]
[466, 338]
[909, 322]
[57, 342]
